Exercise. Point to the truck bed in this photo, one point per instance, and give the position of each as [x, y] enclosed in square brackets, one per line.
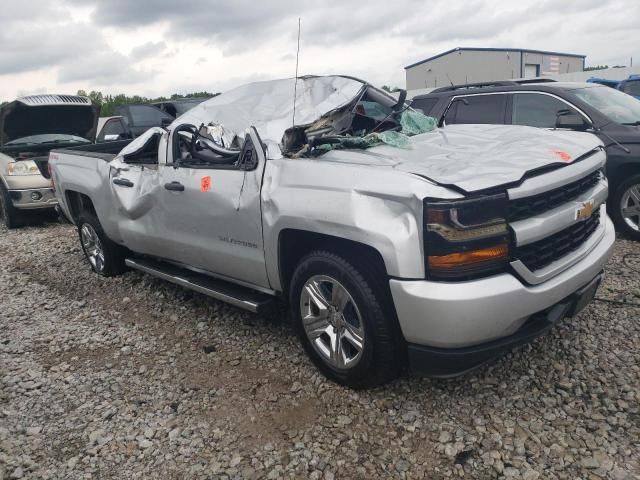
[104, 151]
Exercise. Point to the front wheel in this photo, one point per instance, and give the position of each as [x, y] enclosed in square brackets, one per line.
[340, 318]
[105, 257]
[626, 207]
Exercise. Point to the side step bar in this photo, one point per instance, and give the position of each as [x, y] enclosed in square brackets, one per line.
[235, 295]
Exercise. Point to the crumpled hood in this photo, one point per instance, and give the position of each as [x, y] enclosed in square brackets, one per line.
[477, 157]
[48, 114]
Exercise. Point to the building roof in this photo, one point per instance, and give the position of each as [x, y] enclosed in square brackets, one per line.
[469, 49]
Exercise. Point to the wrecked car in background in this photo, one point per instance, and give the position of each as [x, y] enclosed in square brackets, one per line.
[391, 241]
[29, 128]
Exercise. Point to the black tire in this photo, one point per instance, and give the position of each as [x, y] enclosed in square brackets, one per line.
[616, 206]
[113, 254]
[382, 354]
[8, 213]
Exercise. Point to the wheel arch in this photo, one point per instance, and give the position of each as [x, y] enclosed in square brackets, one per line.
[78, 202]
[294, 244]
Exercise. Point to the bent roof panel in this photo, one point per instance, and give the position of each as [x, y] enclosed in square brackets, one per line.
[269, 105]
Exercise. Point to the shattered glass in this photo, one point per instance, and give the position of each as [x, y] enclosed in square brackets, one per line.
[412, 123]
[415, 123]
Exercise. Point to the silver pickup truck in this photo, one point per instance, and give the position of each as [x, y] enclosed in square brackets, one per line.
[437, 250]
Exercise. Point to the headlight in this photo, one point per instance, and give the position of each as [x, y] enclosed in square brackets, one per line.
[466, 239]
[23, 167]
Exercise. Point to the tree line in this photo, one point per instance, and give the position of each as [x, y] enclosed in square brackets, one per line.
[107, 103]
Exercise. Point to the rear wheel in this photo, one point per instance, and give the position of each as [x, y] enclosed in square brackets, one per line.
[105, 257]
[626, 207]
[342, 323]
[8, 213]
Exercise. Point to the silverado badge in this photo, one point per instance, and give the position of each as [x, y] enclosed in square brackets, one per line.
[585, 211]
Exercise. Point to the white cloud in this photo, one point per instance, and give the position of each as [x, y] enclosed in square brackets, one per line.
[158, 47]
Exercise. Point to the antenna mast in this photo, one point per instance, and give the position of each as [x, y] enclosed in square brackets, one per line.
[295, 84]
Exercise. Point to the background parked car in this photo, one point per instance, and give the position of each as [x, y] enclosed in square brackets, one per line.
[133, 120]
[179, 106]
[112, 129]
[604, 81]
[29, 128]
[630, 86]
[140, 118]
[608, 113]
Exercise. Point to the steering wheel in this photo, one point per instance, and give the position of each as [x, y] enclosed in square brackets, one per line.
[211, 153]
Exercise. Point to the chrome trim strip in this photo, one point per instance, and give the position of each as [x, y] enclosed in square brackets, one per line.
[183, 282]
[536, 228]
[559, 266]
[560, 177]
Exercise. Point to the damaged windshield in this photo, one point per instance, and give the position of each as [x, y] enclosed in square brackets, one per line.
[306, 116]
[374, 118]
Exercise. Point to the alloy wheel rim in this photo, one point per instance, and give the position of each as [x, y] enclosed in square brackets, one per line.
[92, 247]
[630, 205]
[332, 321]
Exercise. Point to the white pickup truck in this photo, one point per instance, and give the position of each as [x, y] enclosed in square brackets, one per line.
[437, 250]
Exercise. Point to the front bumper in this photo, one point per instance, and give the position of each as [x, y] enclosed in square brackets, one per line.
[449, 362]
[459, 315]
[33, 198]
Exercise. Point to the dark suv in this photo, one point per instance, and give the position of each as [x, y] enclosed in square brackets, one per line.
[610, 114]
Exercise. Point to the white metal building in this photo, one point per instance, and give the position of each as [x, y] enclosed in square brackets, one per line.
[473, 65]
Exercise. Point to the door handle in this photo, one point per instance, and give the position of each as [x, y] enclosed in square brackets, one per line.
[123, 182]
[174, 186]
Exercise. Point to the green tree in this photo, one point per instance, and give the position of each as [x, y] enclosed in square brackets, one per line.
[108, 102]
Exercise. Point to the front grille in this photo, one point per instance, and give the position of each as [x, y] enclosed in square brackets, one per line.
[543, 202]
[546, 251]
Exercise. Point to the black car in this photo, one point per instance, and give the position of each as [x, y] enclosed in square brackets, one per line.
[610, 114]
[179, 106]
[140, 118]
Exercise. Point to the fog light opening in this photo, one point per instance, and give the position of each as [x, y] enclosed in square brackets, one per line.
[36, 196]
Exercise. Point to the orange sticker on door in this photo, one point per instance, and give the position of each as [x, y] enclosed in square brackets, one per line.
[205, 184]
[564, 156]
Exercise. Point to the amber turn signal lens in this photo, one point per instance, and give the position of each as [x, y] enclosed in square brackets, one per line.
[470, 258]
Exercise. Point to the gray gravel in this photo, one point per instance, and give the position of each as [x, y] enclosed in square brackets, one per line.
[132, 377]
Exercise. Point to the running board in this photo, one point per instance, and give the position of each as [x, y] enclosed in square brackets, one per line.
[235, 295]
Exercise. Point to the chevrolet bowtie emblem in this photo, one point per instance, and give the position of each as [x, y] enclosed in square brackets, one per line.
[585, 211]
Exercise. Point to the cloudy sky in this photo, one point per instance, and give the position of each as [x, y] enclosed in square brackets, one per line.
[159, 47]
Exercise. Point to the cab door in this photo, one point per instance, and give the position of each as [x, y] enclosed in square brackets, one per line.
[211, 214]
[134, 181]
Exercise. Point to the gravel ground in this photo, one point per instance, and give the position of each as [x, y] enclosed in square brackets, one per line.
[132, 377]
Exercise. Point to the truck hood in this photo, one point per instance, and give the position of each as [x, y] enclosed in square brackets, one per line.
[476, 157]
[48, 114]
